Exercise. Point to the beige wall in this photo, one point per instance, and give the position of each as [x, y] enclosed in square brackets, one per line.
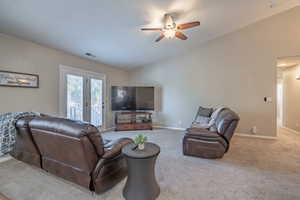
[23, 56]
[292, 98]
[237, 70]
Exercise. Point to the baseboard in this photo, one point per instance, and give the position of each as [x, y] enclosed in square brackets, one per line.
[236, 134]
[290, 130]
[5, 158]
[256, 136]
[109, 129]
[169, 127]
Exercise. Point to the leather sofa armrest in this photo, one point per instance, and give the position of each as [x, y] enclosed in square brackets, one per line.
[112, 149]
[23, 121]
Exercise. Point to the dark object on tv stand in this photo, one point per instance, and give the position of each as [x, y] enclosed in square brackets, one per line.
[128, 121]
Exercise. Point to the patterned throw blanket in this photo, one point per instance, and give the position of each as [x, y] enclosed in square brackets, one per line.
[8, 130]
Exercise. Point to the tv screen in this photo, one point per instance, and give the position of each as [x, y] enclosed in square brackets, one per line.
[132, 98]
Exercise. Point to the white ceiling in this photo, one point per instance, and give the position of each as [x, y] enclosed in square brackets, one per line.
[110, 29]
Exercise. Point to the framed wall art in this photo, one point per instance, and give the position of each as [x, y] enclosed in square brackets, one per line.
[16, 79]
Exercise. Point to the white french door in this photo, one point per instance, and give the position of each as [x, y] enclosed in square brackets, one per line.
[82, 95]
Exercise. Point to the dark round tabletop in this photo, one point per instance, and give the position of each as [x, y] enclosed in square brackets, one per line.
[132, 151]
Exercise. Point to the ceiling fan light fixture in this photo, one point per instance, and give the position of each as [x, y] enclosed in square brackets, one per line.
[171, 30]
[169, 33]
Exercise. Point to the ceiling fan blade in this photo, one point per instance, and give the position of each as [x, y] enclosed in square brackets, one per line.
[180, 35]
[188, 25]
[160, 37]
[151, 29]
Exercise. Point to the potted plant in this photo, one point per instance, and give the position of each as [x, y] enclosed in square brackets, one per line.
[140, 141]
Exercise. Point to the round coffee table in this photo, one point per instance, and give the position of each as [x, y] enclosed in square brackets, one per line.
[141, 183]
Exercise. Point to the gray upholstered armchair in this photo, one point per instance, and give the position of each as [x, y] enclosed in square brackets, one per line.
[211, 142]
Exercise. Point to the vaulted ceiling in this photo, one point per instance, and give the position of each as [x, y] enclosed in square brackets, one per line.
[110, 29]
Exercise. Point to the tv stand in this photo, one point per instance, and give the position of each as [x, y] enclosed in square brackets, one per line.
[128, 121]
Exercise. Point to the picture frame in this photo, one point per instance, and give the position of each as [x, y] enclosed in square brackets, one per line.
[18, 79]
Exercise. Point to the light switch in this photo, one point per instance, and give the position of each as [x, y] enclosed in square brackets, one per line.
[268, 99]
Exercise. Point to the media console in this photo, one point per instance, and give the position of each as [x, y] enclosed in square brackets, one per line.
[127, 121]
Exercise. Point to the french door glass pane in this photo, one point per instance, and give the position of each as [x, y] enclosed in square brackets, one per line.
[74, 97]
[96, 102]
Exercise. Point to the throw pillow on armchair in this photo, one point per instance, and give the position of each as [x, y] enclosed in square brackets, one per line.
[202, 118]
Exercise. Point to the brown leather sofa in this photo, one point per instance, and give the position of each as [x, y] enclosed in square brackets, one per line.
[72, 150]
[207, 143]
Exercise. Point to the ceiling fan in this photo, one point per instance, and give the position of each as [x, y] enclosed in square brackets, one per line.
[171, 30]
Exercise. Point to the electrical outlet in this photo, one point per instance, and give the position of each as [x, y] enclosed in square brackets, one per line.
[268, 99]
[179, 122]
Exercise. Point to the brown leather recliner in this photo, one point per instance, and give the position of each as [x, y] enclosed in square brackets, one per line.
[76, 152]
[207, 143]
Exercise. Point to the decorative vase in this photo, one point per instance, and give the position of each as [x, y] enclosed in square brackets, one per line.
[141, 146]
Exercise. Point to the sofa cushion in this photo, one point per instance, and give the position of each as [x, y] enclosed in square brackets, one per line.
[201, 120]
[204, 112]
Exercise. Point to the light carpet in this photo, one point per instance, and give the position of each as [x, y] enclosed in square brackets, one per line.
[253, 169]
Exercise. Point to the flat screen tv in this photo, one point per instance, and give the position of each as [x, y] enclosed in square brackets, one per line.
[132, 98]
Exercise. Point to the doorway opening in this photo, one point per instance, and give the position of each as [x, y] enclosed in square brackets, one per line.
[288, 93]
[82, 95]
